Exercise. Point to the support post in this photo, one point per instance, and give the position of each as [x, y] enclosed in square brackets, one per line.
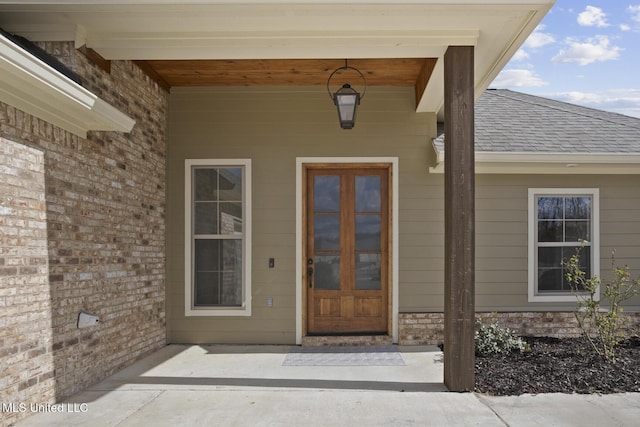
[459, 212]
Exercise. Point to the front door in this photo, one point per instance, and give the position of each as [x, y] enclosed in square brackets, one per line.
[347, 249]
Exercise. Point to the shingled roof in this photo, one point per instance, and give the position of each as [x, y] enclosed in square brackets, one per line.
[514, 122]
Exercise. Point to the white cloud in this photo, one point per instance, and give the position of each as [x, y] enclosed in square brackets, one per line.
[592, 17]
[635, 12]
[520, 55]
[593, 49]
[538, 39]
[623, 101]
[625, 27]
[517, 78]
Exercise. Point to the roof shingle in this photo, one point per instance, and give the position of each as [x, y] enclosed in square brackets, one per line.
[508, 121]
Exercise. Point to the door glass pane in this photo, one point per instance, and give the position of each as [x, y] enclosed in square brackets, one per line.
[218, 277]
[326, 194]
[368, 271]
[326, 274]
[367, 232]
[205, 219]
[367, 194]
[327, 232]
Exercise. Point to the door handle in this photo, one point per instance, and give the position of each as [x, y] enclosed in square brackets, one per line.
[310, 272]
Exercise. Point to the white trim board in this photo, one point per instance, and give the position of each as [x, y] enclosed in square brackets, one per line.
[549, 163]
[247, 250]
[300, 162]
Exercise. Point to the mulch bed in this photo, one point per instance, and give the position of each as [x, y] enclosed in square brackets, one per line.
[555, 365]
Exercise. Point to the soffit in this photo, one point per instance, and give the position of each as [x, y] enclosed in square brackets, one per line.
[202, 31]
[288, 72]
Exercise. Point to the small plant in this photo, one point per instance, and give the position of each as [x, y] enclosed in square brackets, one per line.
[602, 328]
[491, 338]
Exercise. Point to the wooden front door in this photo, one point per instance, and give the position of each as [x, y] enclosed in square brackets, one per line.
[347, 249]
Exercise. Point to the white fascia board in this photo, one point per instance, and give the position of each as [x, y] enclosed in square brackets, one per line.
[550, 163]
[38, 89]
[276, 44]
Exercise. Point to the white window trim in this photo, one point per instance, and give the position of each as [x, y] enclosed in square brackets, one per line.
[595, 241]
[245, 309]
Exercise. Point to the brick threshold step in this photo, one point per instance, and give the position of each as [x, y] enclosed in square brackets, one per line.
[346, 340]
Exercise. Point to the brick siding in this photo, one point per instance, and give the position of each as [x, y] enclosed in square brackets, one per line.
[26, 359]
[100, 249]
[428, 328]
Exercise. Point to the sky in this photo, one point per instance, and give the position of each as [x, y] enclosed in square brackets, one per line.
[585, 52]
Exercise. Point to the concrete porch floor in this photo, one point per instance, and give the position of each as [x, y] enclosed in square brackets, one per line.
[249, 386]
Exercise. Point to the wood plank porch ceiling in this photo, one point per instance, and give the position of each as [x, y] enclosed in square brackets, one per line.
[292, 72]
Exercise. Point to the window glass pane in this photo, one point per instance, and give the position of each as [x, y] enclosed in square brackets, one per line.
[549, 257]
[230, 184]
[367, 271]
[552, 274]
[326, 232]
[577, 207]
[207, 289]
[326, 193]
[367, 194]
[577, 231]
[205, 219]
[549, 231]
[367, 232]
[207, 272]
[585, 258]
[207, 256]
[218, 272]
[326, 274]
[550, 279]
[550, 207]
[230, 218]
[206, 184]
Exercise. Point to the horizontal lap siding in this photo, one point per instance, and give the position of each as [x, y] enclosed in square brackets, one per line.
[273, 127]
[501, 234]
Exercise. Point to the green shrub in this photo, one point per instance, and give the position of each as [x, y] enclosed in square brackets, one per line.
[491, 338]
[603, 328]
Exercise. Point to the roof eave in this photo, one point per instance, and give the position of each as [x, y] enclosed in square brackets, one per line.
[38, 89]
[550, 163]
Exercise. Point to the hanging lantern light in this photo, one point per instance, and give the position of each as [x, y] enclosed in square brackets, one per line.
[346, 99]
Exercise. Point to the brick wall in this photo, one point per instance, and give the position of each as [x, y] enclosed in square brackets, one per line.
[26, 361]
[104, 199]
[428, 328]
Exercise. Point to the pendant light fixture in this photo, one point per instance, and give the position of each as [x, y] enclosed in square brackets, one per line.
[346, 99]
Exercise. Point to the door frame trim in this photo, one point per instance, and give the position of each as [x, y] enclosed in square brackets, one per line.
[393, 186]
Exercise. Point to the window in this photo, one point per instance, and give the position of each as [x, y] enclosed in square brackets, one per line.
[217, 238]
[560, 222]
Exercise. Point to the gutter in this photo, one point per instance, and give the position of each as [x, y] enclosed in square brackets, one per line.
[36, 88]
